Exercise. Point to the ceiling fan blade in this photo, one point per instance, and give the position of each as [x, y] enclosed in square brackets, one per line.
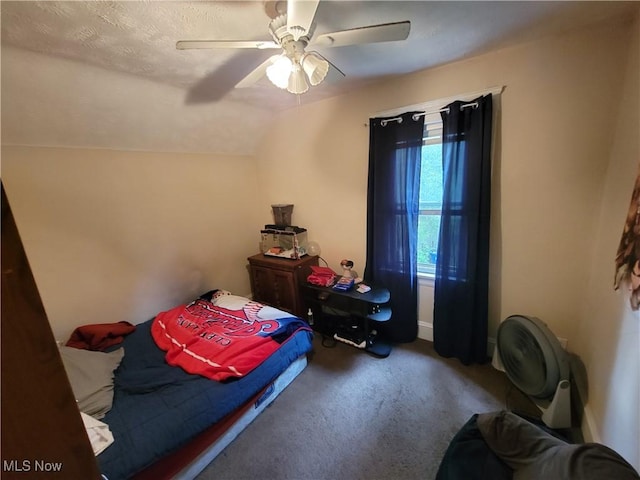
[190, 44]
[386, 32]
[223, 79]
[257, 73]
[300, 15]
[334, 74]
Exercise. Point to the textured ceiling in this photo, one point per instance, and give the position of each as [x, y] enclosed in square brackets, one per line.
[108, 75]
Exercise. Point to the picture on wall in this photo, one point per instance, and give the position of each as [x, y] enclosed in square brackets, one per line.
[628, 256]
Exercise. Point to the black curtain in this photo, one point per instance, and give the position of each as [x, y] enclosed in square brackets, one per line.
[395, 149]
[460, 313]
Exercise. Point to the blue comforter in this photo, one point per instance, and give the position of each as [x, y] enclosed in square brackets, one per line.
[157, 408]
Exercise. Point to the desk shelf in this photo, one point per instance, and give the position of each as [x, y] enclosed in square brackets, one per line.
[382, 316]
[356, 312]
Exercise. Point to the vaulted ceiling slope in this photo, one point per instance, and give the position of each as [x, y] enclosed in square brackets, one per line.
[105, 74]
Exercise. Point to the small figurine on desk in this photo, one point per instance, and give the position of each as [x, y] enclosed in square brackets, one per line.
[345, 282]
[347, 265]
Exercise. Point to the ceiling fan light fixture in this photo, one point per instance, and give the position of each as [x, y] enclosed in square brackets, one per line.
[280, 71]
[297, 81]
[315, 67]
[292, 28]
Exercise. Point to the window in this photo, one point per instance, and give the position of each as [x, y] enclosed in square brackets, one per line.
[431, 178]
[430, 194]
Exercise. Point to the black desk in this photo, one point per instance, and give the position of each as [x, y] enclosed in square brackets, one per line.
[356, 312]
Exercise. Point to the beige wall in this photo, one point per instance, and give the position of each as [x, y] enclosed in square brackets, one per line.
[558, 116]
[608, 337]
[120, 236]
[559, 98]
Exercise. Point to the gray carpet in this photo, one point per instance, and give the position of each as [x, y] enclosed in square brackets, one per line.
[353, 416]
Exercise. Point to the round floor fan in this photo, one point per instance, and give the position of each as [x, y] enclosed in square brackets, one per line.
[536, 364]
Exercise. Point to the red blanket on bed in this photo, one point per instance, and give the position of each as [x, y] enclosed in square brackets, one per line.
[221, 342]
[99, 336]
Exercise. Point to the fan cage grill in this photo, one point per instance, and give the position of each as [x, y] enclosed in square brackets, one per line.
[530, 355]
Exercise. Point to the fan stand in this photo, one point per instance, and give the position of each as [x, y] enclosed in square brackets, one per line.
[555, 413]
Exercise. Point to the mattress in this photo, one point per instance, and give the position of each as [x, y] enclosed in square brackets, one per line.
[190, 460]
[157, 408]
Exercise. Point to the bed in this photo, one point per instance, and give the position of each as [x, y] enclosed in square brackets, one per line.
[168, 423]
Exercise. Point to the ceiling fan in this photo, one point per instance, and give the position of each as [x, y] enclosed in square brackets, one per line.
[292, 30]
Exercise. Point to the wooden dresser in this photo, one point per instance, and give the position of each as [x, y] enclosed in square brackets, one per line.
[276, 281]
